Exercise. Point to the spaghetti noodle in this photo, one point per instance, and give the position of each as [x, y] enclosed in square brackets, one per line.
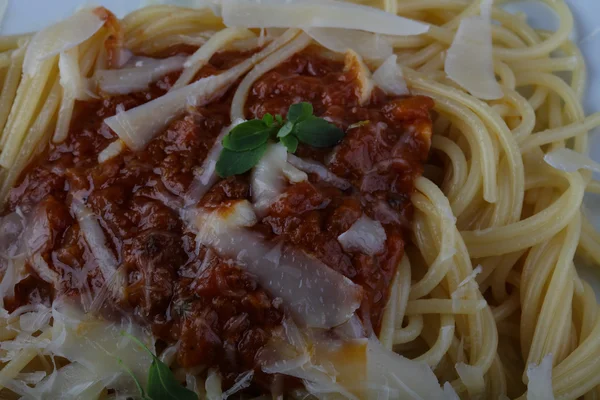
[486, 295]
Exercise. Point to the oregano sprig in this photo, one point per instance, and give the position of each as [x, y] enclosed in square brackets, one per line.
[244, 145]
[162, 384]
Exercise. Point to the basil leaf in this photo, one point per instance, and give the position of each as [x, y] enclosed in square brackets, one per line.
[163, 385]
[247, 136]
[299, 111]
[268, 119]
[290, 142]
[279, 119]
[285, 130]
[235, 163]
[317, 132]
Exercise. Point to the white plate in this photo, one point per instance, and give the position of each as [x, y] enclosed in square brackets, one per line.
[31, 15]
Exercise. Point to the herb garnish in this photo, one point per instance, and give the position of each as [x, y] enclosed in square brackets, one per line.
[244, 145]
[162, 384]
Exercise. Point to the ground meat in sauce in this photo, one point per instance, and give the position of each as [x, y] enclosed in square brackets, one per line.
[220, 315]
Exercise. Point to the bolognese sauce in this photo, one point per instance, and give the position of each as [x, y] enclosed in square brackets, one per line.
[186, 294]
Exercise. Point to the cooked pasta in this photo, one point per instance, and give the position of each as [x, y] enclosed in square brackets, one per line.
[485, 294]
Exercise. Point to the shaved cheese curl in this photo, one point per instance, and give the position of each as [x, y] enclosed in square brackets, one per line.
[400, 377]
[241, 382]
[370, 46]
[472, 377]
[314, 167]
[70, 80]
[450, 393]
[111, 151]
[389, 77]
[212, 385]
[114, 278]
[138, 126]
[539, 386]
[208, 175]
[216, 43]
[365, 235]
[316, 295]
[293, 174]
[469, 61]
[568, 160]
[355, 64]
[137, 78]
[316, 14]
[268, 178]
[61, 37]
[358, 368]
[97, 345]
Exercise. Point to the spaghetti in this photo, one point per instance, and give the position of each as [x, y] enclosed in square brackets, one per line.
[486, 294]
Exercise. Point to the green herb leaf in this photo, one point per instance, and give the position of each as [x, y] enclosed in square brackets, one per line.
[162, 384]
[285, 130]
[299, 111]
[247, 135]
[290, 142]
[234, 163]
[135, 380]
[268, 119]
[245, 145]
[317, 132]
[359, 124]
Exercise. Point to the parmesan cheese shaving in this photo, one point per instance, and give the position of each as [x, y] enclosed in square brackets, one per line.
[293, 174]
[138, 126]
[208, 175]
[268, 177]
[138, 77]
[242, 381]
[449, 392]
[469, 61]
[389, 77]
[111, 151]
[472, 377]
[93, 347]
[354, 63]
[213, 385]
[97, 345]
[539, 386]
[314, 167]
[369, 45]
[316, 14]
[94, 236]
[365, 235]
[70, 80]
[35, 319]
[568, 160]
[399, 377]
[314, 293]
[30, 242]
[203, 55]
[469, 283]
[61, 37]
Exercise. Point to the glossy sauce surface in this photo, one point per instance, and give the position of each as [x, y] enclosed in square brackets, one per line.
[217, 312]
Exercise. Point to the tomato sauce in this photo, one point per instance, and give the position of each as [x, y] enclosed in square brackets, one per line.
[217, 312]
